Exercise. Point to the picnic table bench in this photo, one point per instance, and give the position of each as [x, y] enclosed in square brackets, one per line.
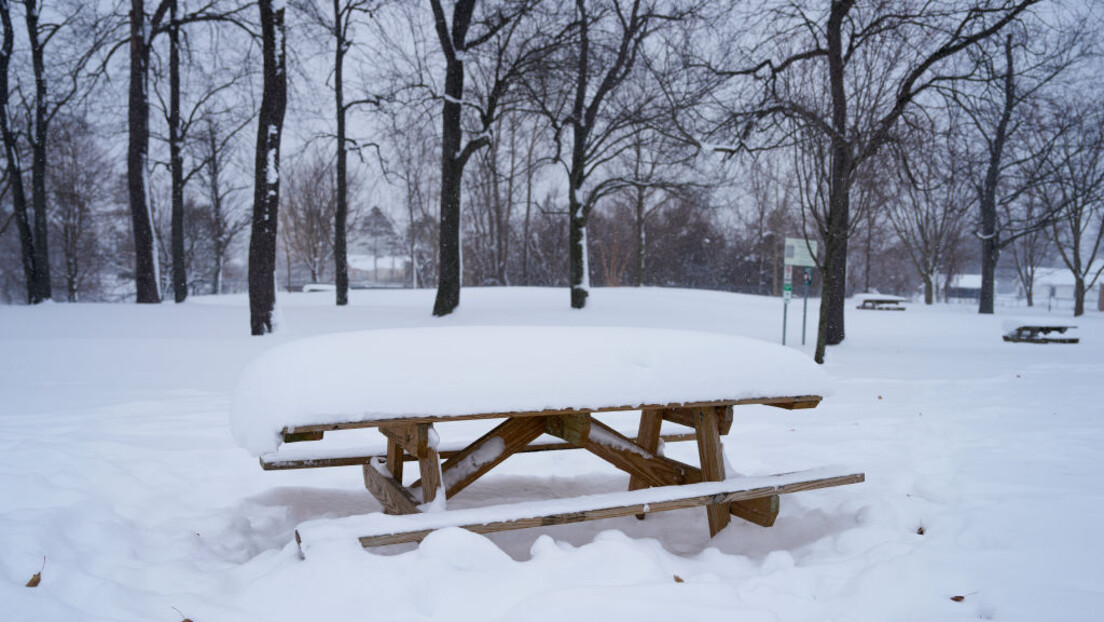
[880, 302]
[298, 393]
[1037, 330]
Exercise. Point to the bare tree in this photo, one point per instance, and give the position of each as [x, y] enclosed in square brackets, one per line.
[1000, 103]
[585, 91]
[14, 169]
[1075, 190]
[931, 206]
[80, 185]
[346, 15]
[309, 210]
[514, 47]
[266, 180]
[860, 69]
[225, 223]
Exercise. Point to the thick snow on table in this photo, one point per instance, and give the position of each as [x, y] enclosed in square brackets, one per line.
[880, 297]
[466, 370]
[1010, 324]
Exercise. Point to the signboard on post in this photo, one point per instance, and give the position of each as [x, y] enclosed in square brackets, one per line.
[800, 252]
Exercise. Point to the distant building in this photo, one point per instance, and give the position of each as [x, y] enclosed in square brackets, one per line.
[378, 271]
[1054, 286]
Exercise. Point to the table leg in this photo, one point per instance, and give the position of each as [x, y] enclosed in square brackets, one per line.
[647, 436]
[395, 459]
[429, 463]
[711, 453]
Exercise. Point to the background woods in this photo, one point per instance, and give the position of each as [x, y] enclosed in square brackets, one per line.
[562, 143]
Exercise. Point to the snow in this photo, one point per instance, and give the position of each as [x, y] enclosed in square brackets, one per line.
[1011, 323]
[877, 296]
[118, 467]
[385, 374]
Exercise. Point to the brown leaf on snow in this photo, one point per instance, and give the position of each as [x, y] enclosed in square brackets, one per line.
[37, 578]
[679, 579]
[958, 599]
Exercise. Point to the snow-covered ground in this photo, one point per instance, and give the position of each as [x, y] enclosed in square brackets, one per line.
[984, 463]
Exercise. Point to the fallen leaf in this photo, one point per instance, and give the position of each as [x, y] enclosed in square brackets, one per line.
[37, 578]
[920, 530]
[879, 397]
[679, 579]
[958, 599]
[181, 615]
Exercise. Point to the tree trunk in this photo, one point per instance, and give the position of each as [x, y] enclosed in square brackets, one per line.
[38, 162]
[266, 193]
[987, 202]
[341, 263]
[11, 154]
[214, 174]
[929, 289]
[145, 261]
[638, 276]
[1078, 296]
[448, 274]
[176, 160]
[577, 248]
[830, 325]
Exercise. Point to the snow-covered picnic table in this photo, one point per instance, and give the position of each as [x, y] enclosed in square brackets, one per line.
[545, 384]
[1036, 330]
[880, 302]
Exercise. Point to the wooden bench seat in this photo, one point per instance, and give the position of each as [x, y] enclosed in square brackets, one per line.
[380, 529]
[354, 457]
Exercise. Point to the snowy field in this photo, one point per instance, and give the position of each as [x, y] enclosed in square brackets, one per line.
[984, 464]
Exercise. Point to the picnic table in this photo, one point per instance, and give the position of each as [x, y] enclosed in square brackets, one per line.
[548, 388]
[1037, 330]
[880, 302]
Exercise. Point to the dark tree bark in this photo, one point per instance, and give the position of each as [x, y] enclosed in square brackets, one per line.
[15, 171]
[266, 193]
[454, 45]
[38, 156]
[987, 194]
[176, 159]
[341, 214]
[145, 260]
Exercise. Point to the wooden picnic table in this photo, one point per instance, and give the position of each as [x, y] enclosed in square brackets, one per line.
[880, 302]
[1037, 331]
[657, 483]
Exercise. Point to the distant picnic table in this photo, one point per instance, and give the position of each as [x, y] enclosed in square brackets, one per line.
[546, 387]
[1037, 330]
[880, 302]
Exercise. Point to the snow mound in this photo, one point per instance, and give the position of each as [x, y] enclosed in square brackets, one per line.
[463, 370]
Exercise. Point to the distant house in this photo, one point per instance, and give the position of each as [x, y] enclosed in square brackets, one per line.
[961, 287]
[967, 287]
[375, 271]
[1055, 286]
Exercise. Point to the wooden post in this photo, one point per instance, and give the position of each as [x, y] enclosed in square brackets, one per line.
[647, 436]
[428, 463]
[711, 453]
[395, 459]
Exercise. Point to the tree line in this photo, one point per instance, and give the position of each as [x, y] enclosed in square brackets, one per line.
[550, 142]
